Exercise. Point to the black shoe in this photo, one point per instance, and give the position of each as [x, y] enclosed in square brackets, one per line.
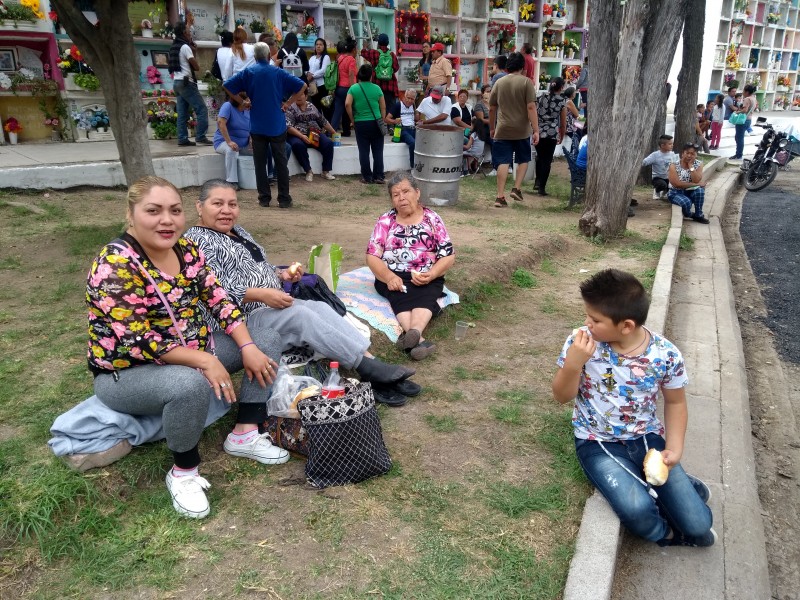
[204, 141]
[187, 143]
[377, 371]
[634, 202]
[407, 388]
[701, 219]
[264, 203]
[389, 397]
[284, 205]
[542, 192]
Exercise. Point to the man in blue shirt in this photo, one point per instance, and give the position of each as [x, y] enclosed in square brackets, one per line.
[267, 86]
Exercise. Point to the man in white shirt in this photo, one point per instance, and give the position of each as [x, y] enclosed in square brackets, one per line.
[402, 113]
[435, 109]
[182, 65]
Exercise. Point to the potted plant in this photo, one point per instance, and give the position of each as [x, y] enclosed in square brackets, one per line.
[25, 12]
[147, 28]
[12, 127]
[740, 10]
[162, 118]
[544, 81]
[258, 27]
[100, 120]
[783, 83]
[570, 48]
[87, 81]
[55, 124]
[448, 39]
[773, 18]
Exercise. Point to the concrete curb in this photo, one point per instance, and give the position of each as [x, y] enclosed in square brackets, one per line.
[591, 571]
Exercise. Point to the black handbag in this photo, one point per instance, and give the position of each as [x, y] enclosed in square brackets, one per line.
[345, 437]
[313, 287]
[379, 122]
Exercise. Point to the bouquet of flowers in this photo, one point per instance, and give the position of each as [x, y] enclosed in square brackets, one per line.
[11, 125]
[147, 24]
[71, 61]
[783, 80]
[527, 10]
[99, 118]
[5, 81]
[448, 39]
[572, 73]
[412, 75]
[53, 122]
[309, 26]
[773, 18]
[732, 59]
[436, 36]
[498, 4]
[153, 75]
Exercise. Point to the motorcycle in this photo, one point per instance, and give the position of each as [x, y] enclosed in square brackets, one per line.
[774, 151]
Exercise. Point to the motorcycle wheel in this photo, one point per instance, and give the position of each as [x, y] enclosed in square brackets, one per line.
[760, 175]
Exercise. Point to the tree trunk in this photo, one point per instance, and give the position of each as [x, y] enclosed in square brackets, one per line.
[632, 48]
[108, 48]
[659, 127]
[689, 76]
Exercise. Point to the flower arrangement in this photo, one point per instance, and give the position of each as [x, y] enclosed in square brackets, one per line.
[527, 11]
[257, 26]
[11, 125]
[5, 81]
[730, 80]
[53, 122]
[436, 36]
[25, 10]
[157, 93]
[71, 61]
[503, 35]
[413, 5]
[146, 24]
[498, 4]
[753, 79]
[557, 10]
[276, 31]
[796, 102]
[781, 103]
[153, 76]
[163, 118]
[544, 80]
[100, 119]
[773, 18]
[448, 39]
[570, 44]
[411, 27]
[732, 59]
[309, 26]
[571, 74]
[783, 80]
[412, 75]
[220, 22]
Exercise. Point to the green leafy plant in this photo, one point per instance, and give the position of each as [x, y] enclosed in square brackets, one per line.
[257, 26]
[165, 130]
[87, 81]
[16, 13]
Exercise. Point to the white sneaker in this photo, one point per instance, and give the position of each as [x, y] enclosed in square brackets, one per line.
[260, 449]
[492, 173]
[309, 176]
[327, 175]
[188, 495]
[656, 195]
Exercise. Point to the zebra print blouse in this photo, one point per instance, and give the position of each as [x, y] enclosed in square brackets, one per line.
[239, 263]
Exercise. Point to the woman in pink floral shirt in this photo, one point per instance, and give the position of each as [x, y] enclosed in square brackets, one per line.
[409, 253]
[151, 352]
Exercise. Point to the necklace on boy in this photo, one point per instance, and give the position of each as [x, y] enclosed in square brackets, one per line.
[632, 352]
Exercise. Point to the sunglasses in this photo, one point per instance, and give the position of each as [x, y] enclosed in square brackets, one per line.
[688, 145]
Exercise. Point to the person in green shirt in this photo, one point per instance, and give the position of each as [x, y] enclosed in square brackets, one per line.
[365, 105]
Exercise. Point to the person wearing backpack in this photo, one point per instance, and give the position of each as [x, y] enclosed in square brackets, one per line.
[384, 67]
[346, 64]
[293, 58]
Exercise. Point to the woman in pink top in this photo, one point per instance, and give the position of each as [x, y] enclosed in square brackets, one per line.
[347, 77]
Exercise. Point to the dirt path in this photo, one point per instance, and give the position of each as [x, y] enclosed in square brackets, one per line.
[774, 389]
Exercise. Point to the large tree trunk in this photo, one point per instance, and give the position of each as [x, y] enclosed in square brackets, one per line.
[632, 48]
[659, 127]
[689, 77]
[109, 50]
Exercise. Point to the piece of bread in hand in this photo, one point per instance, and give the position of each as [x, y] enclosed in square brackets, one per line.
[655, 471]
[293, 268]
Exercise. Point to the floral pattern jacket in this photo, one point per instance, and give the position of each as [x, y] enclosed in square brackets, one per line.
[410, 247]
[130, 326]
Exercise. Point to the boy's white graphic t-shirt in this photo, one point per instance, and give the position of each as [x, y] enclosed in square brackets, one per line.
[617, 395]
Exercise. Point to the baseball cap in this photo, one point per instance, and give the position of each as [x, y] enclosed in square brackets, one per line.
[383, 40]
[438, 46]
[437, 92]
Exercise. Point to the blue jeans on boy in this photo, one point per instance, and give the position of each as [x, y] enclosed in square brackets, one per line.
[187, 95]
[739, 137]
[678, 505]
[686, 199]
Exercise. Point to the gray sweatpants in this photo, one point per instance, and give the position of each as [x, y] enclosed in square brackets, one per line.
[316, 325]
[180, 394]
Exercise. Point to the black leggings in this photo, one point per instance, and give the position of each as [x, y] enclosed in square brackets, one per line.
[544, 159]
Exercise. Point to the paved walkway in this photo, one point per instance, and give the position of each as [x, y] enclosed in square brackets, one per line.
[693, 293]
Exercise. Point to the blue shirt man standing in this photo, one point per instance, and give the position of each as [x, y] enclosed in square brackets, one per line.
[266, 87]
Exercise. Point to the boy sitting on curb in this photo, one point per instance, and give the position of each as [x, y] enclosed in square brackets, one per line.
[612, 370]
[660, 161]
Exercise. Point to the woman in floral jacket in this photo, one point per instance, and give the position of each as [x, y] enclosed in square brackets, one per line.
[150, 349]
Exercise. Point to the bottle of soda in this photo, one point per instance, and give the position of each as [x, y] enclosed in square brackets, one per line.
[396, 133]
[333, 386]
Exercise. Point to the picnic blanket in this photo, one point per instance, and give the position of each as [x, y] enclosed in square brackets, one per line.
[357, 291]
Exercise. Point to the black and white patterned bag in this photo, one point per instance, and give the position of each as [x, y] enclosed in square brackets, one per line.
[345, 437]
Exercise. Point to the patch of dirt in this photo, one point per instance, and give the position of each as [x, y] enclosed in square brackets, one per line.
[774, 390]
[268, 539]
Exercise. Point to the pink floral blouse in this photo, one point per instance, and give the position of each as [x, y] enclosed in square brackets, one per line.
[410, 247]
[128, 323]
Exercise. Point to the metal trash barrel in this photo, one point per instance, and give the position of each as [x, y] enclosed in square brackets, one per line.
[438, 156]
